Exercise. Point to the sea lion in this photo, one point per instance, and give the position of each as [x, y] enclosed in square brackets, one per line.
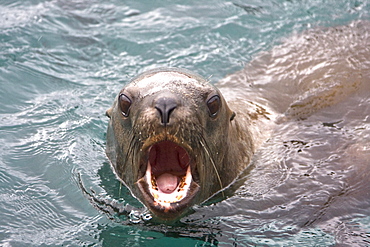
[173, 140]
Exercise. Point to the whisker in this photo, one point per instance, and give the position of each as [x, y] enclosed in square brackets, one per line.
[130, 148]
[131, 153]
[120, 188]
[214, 166]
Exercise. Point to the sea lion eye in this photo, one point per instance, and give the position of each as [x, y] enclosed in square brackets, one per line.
[124, 104]
[213, 105]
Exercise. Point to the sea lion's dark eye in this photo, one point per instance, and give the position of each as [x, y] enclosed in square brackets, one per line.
[124, 104]
[214, 104]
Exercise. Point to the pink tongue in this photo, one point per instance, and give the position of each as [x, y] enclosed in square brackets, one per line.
[167, 183]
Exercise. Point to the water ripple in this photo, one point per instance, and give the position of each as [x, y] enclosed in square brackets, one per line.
[62, 63]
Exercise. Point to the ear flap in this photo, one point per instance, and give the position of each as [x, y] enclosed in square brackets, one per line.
[231, 113]
[232, 116]
[108, 113]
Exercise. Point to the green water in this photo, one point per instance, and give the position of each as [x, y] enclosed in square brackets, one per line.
[61, 64]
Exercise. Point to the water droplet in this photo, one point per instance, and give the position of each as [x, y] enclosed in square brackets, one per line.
[134, 216]
[146, 216]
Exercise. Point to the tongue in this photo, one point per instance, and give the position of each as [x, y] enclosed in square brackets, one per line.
[167, 182]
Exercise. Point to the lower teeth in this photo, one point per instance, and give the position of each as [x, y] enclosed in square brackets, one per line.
[176, 195]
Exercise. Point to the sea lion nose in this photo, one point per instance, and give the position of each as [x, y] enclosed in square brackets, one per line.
[165, 106]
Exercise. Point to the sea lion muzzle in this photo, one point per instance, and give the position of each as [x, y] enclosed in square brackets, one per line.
[168, 185]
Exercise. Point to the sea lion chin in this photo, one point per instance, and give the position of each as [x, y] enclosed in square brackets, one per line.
[173, 140]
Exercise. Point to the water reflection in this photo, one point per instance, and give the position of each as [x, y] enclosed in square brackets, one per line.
[310, 178]
[62, 62]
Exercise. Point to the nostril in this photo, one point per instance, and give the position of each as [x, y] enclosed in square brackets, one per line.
[165, 107]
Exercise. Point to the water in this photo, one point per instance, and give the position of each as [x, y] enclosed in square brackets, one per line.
[61, 64]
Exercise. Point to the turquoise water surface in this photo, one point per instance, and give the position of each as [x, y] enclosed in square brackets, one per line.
[62, 62]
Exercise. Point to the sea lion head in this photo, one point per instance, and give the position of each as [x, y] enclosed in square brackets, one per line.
[167, 139]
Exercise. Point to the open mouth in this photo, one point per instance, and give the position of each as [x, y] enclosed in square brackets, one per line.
[167, 184]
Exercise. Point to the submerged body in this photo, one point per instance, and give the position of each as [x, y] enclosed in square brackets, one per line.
[174, 139]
